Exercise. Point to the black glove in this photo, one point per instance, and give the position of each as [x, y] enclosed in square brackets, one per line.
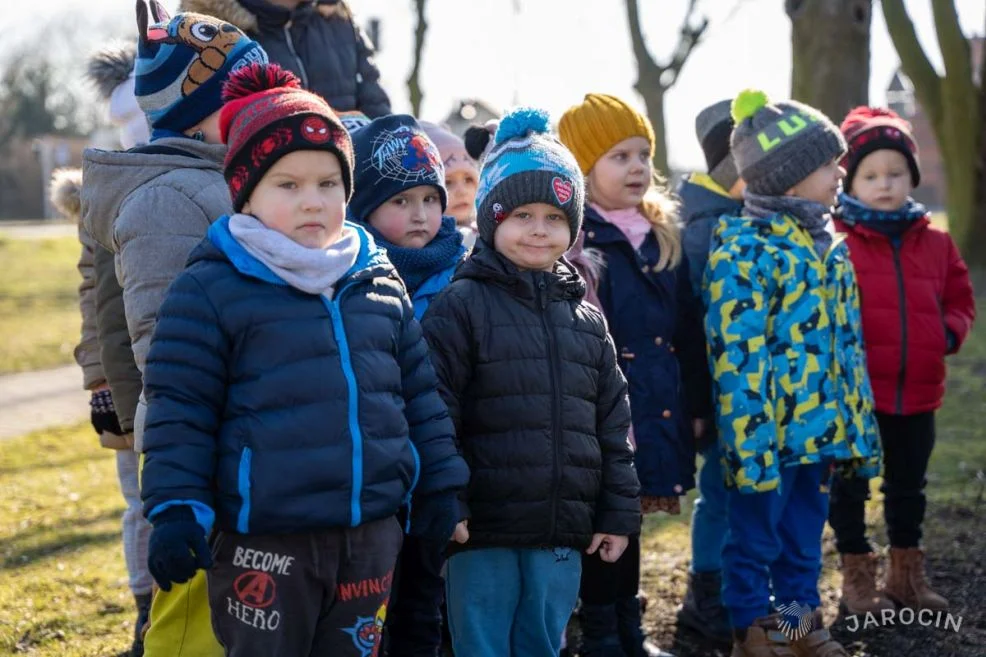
[177, 547]
[103, 413]
[434, 517]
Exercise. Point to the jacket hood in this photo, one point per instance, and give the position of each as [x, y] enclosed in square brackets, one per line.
[487, 264]
[701, 197]
[111, 66]
[111, 176]
[220, 244]
[230, 11]
[66, 190]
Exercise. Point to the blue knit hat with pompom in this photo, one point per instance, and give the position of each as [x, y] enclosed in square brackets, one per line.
[527, 164]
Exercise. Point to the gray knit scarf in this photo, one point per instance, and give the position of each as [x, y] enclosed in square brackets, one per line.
[315, 271]
[811, 215]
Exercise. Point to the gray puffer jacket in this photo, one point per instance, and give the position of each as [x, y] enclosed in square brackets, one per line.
[321, 45]
[151, 207]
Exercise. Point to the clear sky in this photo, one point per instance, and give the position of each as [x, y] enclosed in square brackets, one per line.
[552, 52]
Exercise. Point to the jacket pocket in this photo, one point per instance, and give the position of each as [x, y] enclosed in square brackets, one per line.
[243, 488]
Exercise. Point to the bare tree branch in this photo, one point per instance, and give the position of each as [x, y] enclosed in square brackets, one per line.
[413, 79]
[951, 41]
[913, 60]
[640, 52]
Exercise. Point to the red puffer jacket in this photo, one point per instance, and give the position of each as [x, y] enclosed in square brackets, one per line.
[912, 293]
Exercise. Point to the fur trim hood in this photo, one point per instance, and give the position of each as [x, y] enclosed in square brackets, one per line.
[226, 10]
[66, 191]
[111, 66]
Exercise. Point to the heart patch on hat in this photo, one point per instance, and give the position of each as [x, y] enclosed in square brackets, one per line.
[563, 189]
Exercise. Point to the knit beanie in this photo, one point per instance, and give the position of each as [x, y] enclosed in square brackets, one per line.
[869, 129]
[713, 126]
[182, 63]
[528, 165]
[777, 145]
[268, 115]
[600, 122]
[451, 148]
[354, 120]
[111, 71]
[393, 154]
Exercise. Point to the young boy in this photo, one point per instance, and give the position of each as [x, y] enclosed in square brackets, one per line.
[918, 307]
[399, 198]
[150, 206]
[705, 198]
[529, 373]
[789, 372]
[304, 413]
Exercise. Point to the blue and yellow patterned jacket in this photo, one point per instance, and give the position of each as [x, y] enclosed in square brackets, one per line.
[786, 353]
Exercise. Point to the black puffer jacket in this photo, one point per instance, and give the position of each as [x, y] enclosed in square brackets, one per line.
[332, 56]
[529, 374]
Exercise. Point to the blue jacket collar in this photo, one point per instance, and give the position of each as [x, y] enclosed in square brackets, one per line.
[372, 261]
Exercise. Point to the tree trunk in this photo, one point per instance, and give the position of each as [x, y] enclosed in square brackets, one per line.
[413, 80]
[975, 251]
[653, 94]
[830, 46]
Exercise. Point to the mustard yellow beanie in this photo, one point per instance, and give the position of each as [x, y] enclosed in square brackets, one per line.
[598, 123]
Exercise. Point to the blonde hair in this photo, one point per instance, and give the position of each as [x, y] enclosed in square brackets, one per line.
[660, 208]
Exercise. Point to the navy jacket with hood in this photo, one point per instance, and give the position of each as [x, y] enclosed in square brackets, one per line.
[654, 322]
[287, 412]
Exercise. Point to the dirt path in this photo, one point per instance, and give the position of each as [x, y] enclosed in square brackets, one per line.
[30, 401]
[28, 230]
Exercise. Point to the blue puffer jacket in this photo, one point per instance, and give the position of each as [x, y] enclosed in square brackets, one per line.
[422, 297]
[703, 201]
[285, 411]
[654, 324]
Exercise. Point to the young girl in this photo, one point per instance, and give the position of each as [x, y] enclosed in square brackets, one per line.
[291, 400]
[461, 179]
[529, 374]
[645, 294]
[918, 307]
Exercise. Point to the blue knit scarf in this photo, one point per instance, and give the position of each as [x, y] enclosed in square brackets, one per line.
[415, 266]
[853, 212]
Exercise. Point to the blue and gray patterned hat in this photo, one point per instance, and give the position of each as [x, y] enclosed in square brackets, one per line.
[528, 165]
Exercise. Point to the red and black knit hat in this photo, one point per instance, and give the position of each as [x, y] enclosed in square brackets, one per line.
[268, 115]
[869, 129]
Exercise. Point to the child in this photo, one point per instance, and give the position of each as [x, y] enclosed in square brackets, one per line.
[789, 373]
[918, 307]
[150, 206]
[399, 198]
[644, 293]
[319, 41]
[704, 198]
[530, 378]
[304, 414]
[461, 179]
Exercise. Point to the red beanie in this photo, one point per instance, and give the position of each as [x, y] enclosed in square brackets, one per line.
[869, 129]
[268, 115]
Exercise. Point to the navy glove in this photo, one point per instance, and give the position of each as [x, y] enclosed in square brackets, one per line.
[103, 413]
[434, 517]
[177, 547]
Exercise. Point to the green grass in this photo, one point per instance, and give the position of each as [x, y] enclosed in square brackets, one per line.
[63, 588]
[39, 307]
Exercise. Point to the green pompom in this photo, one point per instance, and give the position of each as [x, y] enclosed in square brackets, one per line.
[746, 104]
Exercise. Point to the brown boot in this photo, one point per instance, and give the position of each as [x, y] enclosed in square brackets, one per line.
[906, 582]
[762, 639]
[859, 593]
[818, 642]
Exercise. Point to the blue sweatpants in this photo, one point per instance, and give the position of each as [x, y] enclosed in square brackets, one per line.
[511, 602]
[709, 517]
[774, 543]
